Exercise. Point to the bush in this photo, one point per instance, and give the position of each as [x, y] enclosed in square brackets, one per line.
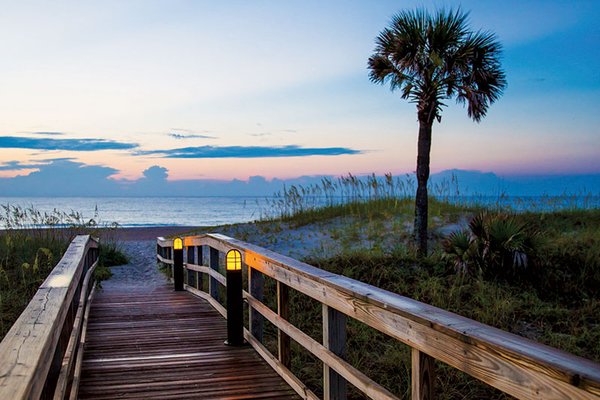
[496, 246]
[110, 255]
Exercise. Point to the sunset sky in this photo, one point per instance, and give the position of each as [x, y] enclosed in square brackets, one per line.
[233, 89]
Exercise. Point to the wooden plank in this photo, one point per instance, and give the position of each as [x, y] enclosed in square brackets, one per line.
[199, 258]
[513, 364]
[162, 242]
[284, 348]
[352, 375]
[214, 265]
[161, 344]
[190, 259]
[207, 270]
[69, 359]
[77, 374]
[190, 254]
[422, 376]
[203, 295]
[334, 339]
[256, 283]
[28, 349]
[517, 371]
[281, 369]
[164, 260]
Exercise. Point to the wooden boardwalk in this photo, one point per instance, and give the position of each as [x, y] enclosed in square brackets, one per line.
[144, 341]
[154, 343]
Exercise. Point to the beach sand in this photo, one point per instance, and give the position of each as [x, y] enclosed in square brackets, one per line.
[140, 246]
[318, 239]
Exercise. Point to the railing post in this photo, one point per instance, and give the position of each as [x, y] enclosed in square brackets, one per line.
[334, 339]
[213, 287]
[200, 261]
[283, 340]
[178, 264]
[256, 282]
[422, 375]
[191, 259]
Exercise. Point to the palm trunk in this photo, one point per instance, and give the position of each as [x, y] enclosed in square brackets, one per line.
[421, 202]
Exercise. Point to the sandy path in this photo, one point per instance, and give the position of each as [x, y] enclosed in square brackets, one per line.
[141, 270]
[140, 246]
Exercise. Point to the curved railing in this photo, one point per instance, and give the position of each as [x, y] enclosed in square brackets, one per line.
[40, 357]
[515, 365]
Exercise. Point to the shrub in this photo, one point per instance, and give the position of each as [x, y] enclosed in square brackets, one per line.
[496, 246]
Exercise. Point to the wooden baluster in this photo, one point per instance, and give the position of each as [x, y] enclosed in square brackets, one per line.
[334, 339]
[199, 261]
[256, 282]
[213, 264]
[191, 259]
[283, 340]
[423, 375]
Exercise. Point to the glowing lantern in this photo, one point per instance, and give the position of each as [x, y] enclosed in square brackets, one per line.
[177, 244]
[234, 260]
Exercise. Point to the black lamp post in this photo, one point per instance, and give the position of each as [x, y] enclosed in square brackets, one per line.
[178, 264]
[235, 320]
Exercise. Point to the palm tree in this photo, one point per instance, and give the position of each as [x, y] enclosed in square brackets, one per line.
[432, 58]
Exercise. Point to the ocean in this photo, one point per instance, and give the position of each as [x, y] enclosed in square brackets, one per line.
[149, 211]
[210, 211]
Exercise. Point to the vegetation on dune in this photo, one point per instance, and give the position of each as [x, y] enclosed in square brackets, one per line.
[430, 59]
[535, 274]
[31, 244]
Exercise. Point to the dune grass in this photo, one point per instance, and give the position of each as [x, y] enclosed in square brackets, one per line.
[32, 243]
[555, 300]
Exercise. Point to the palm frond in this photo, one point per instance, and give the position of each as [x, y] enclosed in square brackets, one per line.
[431, 58]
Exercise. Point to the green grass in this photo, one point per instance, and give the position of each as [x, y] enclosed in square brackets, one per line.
[573, 326]
[25, 261]
[28, 254]
[110, 255]
[555, 300]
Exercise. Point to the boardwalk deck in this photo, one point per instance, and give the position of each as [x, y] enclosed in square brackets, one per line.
[158, 344]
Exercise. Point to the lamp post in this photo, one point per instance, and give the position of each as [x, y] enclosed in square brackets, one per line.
[235, 321]
[178, 264]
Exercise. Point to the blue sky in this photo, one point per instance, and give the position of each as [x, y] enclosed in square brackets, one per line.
[281, 90]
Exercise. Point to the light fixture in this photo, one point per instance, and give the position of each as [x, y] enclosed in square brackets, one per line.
[177, 244]
[233, 260]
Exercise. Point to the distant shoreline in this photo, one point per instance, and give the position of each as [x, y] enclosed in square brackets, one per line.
[135, 233]
[150, 232]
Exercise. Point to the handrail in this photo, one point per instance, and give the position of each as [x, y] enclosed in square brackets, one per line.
[513, 364]
[41, 352]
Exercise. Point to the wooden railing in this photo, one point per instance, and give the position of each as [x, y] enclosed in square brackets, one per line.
[515, 365]
[40, 357]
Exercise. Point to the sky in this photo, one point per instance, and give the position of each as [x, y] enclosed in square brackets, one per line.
[280, 89]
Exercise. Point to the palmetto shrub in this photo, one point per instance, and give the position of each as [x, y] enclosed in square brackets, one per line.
[495, 246]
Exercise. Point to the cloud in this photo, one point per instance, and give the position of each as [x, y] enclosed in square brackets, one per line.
[62, 178]
[249, 152]
[15, 142]
[16, 165]
[190, 136]
[261, 134]
[51, 160]
[156, 173]
[180, 133]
